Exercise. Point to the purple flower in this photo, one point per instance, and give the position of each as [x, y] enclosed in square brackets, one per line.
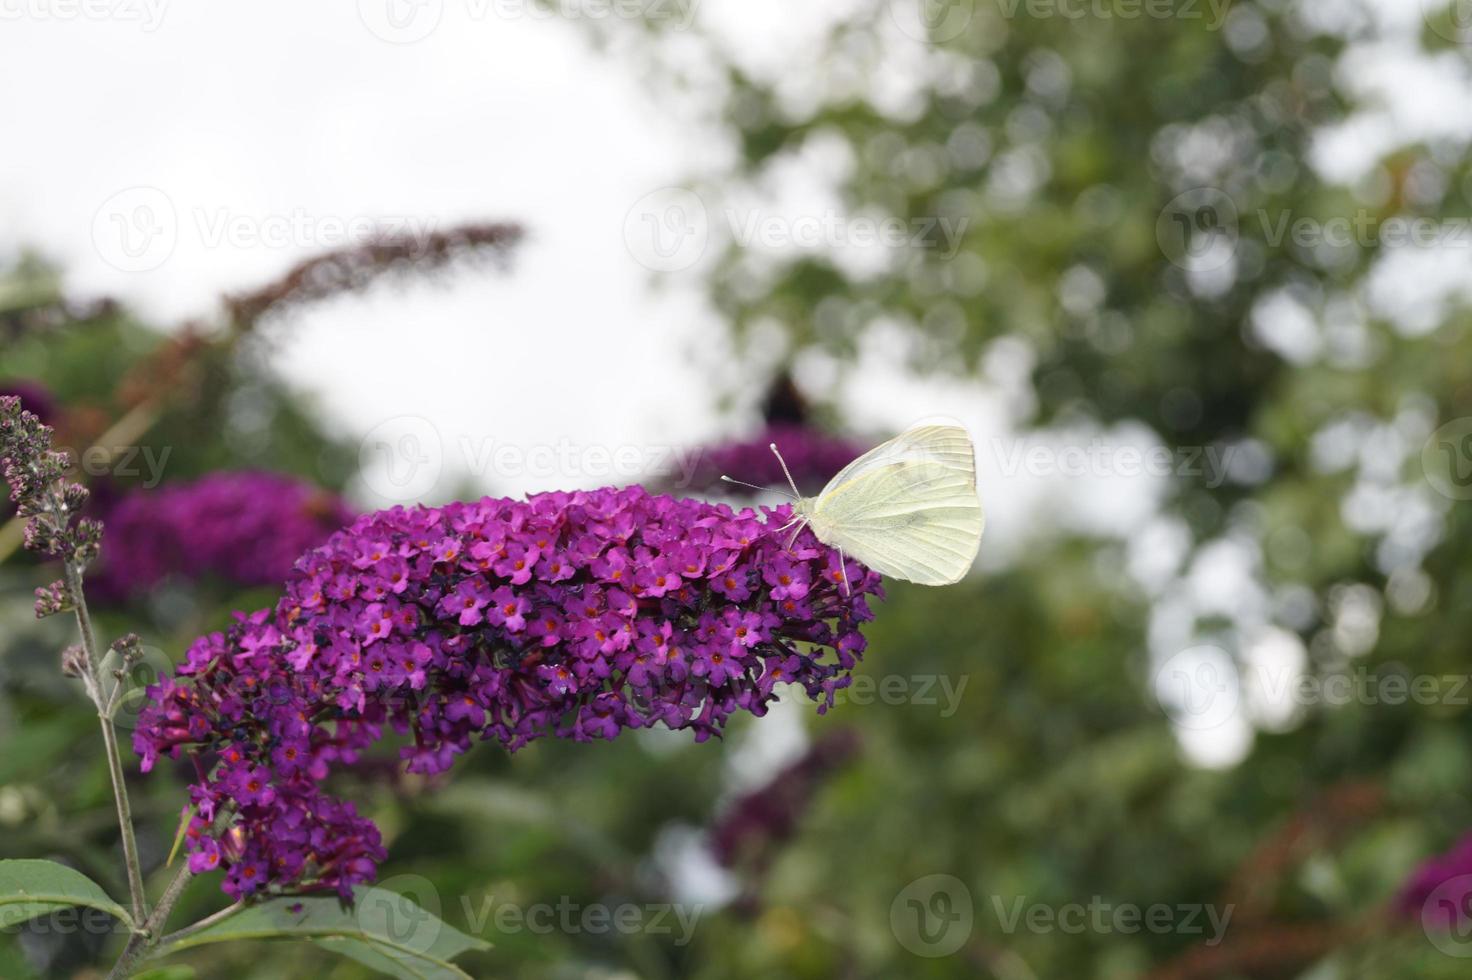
[469, 598]
[206, 857]
[515, 619]
[49, 502]
[756, 823]
[1439, 891]
[252, 786]
[812, 455]
[34, 397]
[246, 528]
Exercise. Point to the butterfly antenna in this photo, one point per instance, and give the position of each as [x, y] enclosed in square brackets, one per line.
[753, 486]
[785, 471]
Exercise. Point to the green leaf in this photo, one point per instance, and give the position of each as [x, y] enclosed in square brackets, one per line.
[393, 962]
[384, 930]
[179, 834]
[29, 888]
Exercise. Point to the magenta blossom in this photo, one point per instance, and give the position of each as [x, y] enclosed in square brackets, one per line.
[812, 455]
[245, 528]
[1440, 889]
[573, 614]
[34, 397]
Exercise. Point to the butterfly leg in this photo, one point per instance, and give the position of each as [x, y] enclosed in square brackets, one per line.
[793, 540]
[843, 567]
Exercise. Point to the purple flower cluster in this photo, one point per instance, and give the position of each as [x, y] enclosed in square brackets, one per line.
[246, 528]
[48, 501]
[813, 457]
[575, 614]
[1448, 877]
[37, 400]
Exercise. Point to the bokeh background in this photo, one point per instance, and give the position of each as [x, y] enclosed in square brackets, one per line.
[1194, 273]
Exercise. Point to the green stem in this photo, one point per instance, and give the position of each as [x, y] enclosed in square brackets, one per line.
[110, 741]
[204, 923]
[141, 943]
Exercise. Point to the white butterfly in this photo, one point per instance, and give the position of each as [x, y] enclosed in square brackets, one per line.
[907, 509]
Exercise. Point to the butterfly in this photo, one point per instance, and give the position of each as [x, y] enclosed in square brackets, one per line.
[907, 509]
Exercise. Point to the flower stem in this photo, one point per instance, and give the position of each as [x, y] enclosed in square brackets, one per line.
[110, 741]
[204, 923]
[142, 942]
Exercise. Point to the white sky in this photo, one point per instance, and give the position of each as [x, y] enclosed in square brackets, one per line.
[273, 117]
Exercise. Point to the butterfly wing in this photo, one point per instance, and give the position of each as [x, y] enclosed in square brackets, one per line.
[908, 508]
